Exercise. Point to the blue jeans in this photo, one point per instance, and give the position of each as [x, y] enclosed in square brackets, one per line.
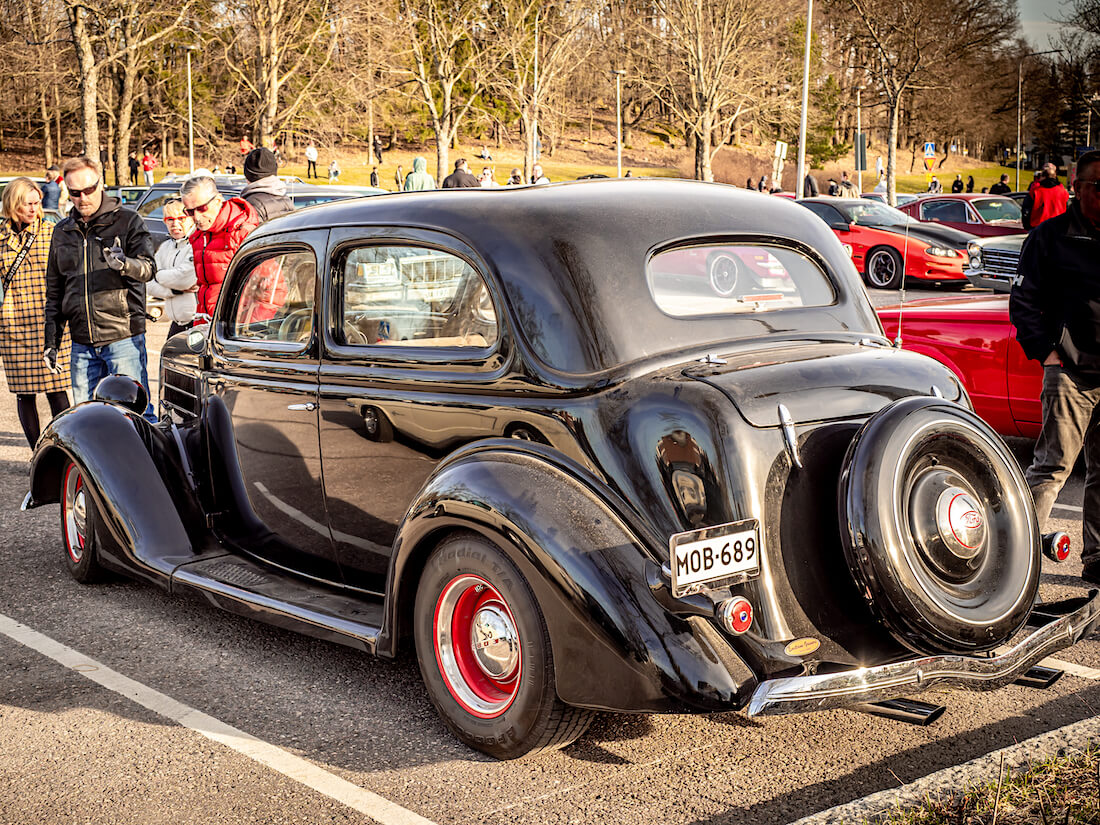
[90, 365]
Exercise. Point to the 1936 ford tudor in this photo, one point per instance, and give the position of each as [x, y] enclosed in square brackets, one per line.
[621, 445]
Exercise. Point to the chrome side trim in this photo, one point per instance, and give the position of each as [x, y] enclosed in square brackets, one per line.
[27, 501]
[801, 694]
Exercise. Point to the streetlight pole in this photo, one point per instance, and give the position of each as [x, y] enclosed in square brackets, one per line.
[800, 183]
[190, 117]
[618, 120]
[1019, 104]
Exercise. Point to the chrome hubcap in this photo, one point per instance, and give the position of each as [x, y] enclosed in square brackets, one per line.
[495, 642]
[948, 524]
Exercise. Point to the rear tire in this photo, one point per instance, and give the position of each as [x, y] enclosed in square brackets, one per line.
[78, 525]
[883, 268]
[724, 272]
[484, 653]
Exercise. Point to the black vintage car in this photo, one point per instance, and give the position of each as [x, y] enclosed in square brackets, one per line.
[616, 445]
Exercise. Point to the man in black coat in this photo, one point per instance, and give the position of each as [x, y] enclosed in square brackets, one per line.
[1055, 306]
[100, 259]
[461, 178]
[264, 191]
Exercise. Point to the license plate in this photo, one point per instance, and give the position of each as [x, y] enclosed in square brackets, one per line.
[714, 553]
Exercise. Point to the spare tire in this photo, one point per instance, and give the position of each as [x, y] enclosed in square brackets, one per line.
[938, 527]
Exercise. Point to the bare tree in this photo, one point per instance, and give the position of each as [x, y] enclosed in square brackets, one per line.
[910, 45]
[539, 45]
[712, 62]
[446, 63]
[92, 29]
[278, 50]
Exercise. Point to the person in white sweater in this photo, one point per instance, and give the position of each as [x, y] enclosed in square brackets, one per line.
[175, 281]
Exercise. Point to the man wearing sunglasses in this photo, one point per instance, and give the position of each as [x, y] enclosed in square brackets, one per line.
[220, 227]
[1055, 306]
[100, 259]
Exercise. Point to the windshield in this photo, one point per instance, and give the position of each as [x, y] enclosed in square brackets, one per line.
[998, 209]
[873, 213]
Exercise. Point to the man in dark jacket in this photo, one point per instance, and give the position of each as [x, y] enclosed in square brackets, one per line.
[100, 259]
[1055, 306]
[461, 178]
[1047, 199]
[264, 191]
[1001, 187]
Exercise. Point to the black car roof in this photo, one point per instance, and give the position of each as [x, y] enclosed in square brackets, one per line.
[572, 258]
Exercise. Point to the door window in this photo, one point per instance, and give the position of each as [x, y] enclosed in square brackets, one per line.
[275, 299]
[414, 296]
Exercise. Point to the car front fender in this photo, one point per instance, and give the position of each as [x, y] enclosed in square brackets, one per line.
[144, 534]
[614, 645]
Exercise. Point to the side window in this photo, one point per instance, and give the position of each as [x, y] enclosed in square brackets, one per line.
[275, 300]
[414, 296]
[949, 211]
[154, 204]
[825, 212]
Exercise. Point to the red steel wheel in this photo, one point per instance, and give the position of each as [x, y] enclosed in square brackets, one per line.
[78, 521]
[477, 646]
[484, 652]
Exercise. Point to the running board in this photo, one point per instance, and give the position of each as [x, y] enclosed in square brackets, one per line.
[247, 588]
[903, 710]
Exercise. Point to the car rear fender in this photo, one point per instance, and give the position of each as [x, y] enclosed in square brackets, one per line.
[614, 645]
[140, 529]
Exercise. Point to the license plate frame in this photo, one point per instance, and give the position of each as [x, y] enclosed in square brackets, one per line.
[691, 566]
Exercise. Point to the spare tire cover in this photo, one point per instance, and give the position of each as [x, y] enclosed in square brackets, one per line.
[938, 527]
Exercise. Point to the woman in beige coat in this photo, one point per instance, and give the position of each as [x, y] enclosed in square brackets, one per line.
[21, 316]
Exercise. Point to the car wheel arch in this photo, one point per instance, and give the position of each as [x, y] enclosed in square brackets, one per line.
[601, 659]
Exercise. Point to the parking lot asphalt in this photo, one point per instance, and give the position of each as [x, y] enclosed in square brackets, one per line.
[121, 703]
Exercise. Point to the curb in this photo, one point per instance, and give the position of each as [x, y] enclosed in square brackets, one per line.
[952, 781]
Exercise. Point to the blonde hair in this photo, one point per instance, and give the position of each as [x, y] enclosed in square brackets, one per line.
[15, 194]
[82, 162]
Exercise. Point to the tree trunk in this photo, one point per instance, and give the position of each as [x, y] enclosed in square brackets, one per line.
[47, 139]
[125, 115]
[892, 152]
[87, 80]
[703, 170]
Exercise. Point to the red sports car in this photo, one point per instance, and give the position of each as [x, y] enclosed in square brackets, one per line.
[974, 338]
[888, 245]
[978, 214]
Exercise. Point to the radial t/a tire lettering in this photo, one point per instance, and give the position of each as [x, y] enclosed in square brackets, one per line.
[78, 522]
[485, 654]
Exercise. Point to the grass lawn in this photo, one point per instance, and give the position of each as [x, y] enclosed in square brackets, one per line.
[983, 176]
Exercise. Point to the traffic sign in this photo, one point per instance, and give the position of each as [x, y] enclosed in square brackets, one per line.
[930, 149]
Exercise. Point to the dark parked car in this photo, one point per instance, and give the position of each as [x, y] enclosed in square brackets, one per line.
[518, 430]
[151, 205]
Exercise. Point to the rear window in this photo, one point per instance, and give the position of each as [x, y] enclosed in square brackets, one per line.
[727, 279]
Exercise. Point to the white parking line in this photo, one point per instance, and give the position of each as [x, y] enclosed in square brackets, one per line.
[293, 767]
[1073, 508]
[1072, 668]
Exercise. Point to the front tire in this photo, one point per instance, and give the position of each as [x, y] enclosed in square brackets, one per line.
[485, 655]
[78, 524]
[884, 268]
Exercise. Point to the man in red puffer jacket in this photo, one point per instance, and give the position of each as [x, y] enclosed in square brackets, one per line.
[1046, 200]
[220, 227]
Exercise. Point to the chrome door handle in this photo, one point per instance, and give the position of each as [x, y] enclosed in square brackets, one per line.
[309, 406]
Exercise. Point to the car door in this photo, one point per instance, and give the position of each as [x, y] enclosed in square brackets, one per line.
[854, 235]
[264, 363]
[413, 356]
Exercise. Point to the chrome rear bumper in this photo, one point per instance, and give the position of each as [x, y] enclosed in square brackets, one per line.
[801, 694]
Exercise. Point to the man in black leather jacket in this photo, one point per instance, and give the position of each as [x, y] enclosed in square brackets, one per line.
[1055, 306]
[100, 260]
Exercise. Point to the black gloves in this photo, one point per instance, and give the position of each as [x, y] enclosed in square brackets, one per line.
[115, 257]
[49, 355]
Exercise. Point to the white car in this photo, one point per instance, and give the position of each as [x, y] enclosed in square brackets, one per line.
[992, 261]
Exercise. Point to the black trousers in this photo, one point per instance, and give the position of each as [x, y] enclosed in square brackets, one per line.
[311, 168]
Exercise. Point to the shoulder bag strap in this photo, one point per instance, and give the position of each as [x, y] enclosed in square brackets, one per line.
[10, 274]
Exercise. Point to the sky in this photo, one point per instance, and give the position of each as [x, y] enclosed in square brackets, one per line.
[1035, 20]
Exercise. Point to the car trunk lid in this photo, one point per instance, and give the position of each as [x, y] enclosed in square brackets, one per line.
[821, 381]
